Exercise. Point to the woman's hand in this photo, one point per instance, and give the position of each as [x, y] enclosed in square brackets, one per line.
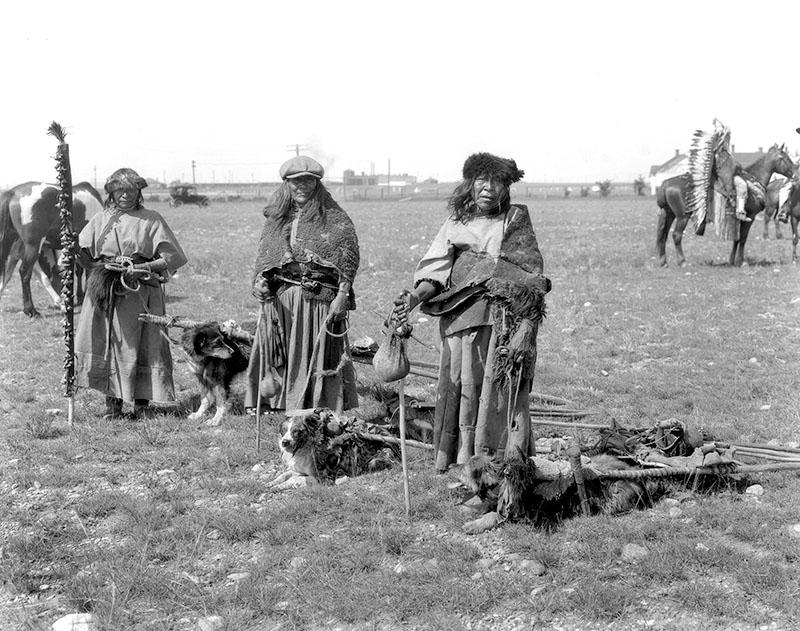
[404, 303]
[261, 289]
[338, 309]
[521, 345]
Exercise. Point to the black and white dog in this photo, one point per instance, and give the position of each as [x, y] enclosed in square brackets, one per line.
[216, 359]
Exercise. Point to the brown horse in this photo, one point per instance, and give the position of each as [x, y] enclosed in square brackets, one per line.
[672, 201]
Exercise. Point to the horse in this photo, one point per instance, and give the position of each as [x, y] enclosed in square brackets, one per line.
[30, 232]
[672, 201]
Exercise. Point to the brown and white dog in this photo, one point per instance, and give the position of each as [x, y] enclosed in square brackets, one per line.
[216, 359]
[318, 446]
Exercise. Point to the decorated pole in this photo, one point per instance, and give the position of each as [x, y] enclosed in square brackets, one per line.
[67, 263]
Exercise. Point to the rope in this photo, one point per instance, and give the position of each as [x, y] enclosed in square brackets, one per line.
[343, 333]
[667, 472]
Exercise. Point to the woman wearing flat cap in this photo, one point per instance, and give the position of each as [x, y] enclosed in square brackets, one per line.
[131, 252]
[307, 259]
[482, 276]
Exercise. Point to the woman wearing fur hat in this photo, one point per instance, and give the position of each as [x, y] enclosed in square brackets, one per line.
[130, 251]
[482, 276]
[307, 259]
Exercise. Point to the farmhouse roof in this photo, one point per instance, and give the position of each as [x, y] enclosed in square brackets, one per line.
[657, 168]
[745, 158]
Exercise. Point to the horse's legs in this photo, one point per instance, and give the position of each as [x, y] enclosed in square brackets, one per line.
[677, 208]
[777, 223]
[677, 238]
[795, 238]
[665, 219]
[30, 255]
[47, 267]
[11, 264]
[737, 251]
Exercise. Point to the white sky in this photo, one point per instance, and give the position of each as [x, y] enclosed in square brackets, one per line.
[578, 91]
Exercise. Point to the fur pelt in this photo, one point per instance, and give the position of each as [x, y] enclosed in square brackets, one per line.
[504, 169]
[101, 285]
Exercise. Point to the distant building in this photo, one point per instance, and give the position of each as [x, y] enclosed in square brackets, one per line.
[351, 179]
[679, 164]
[398, 179]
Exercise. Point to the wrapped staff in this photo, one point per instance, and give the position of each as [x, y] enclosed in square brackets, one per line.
[67, 263]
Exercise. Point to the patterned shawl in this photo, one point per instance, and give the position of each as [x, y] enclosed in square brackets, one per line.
[326, 238]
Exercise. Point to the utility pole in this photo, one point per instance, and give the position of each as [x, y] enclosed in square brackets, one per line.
[389, 179]
[296, 148]
[194, 164]
[95, 176]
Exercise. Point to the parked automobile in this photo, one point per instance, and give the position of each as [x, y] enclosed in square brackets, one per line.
[180, 194]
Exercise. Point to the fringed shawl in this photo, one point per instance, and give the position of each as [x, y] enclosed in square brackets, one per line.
[326, 238]
[513, 284]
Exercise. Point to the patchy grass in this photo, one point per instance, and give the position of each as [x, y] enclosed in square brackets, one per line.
[154, 524]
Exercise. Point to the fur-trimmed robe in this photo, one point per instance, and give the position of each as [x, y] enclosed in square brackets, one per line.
[510, 278]
[490, 272]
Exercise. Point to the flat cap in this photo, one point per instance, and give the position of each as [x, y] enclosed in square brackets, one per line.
[299, 166]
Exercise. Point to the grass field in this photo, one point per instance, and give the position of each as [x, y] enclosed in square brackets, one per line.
[156, 524]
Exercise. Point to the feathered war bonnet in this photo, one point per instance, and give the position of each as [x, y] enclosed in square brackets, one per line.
[504, 169]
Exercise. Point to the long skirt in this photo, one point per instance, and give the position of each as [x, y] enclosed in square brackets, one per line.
[472, 414]
[294, 324]
[128, 359]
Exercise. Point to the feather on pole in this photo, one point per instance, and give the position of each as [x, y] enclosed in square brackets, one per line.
[67, 267]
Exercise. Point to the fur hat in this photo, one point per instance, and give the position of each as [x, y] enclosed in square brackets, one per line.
[488, 164]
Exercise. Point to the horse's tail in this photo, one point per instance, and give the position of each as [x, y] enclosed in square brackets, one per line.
[8, 234]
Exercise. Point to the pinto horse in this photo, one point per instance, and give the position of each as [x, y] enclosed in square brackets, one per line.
[671, 200]
[30, 232]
